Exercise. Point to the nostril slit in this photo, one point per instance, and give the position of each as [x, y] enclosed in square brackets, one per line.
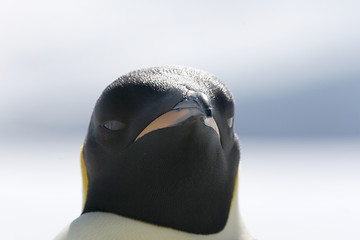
[209, 112]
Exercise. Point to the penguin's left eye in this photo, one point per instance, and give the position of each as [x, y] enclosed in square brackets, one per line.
[230, 122]
[113, 125]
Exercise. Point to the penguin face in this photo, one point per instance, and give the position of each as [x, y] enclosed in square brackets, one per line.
[160, 148]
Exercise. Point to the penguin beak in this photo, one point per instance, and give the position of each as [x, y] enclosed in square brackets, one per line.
[196, 104]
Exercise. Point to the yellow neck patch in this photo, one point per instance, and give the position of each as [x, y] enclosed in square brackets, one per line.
[84, 175]
[235, 186]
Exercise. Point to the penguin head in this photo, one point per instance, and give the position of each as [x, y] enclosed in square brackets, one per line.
[160, 148]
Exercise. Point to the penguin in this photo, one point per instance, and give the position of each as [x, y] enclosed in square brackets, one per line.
[160, 160]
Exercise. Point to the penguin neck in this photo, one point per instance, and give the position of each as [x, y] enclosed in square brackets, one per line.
[101, 225]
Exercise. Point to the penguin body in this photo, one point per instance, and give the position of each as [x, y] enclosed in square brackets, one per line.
[160, 160]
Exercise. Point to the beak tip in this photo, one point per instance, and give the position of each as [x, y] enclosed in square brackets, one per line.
[210, 122]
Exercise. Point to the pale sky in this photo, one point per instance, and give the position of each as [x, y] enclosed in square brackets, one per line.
[60, 55]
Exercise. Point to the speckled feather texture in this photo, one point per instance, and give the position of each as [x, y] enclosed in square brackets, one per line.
[108, 226]
[167, 78]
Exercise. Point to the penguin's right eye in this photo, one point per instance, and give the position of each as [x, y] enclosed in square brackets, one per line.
[113, 125]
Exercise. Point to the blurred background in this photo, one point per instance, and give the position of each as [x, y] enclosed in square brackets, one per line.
[293, 67]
